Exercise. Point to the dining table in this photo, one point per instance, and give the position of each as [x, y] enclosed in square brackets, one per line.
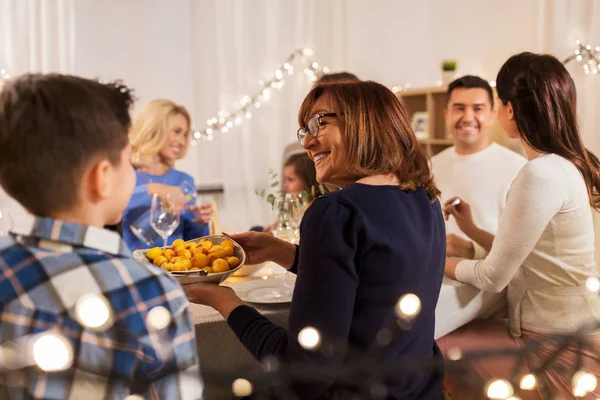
[223, 357]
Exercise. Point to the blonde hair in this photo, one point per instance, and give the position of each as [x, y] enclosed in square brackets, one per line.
[149, 132]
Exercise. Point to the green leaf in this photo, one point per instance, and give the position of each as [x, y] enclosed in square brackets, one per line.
[274, 183]
[271, 199]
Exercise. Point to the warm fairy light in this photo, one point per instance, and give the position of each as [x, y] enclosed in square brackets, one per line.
[309, 338]
[257, 104]
[93, 311]
[584, 383]
[499, 389]
[52, 352]
[278, 74]
[454, 354]
[266, 95]
[492, 83]
[593, 284]
[408, 306]
[158, 318]
[384, 336]
[241, 387]
[528, 382]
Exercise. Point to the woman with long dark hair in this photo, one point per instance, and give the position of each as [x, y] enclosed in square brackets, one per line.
[544, 249]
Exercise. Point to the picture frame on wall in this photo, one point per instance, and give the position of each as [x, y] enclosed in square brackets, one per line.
[420, 122]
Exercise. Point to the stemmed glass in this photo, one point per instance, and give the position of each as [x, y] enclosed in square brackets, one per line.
[164, 216]
[6, 223]
[287, 217]
[189, 191]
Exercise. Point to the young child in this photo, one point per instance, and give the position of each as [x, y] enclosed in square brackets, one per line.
[66, 159]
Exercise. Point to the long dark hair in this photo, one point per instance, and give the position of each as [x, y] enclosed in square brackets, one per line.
[544, 102]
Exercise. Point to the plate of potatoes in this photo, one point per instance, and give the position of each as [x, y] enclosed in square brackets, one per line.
[217, 255]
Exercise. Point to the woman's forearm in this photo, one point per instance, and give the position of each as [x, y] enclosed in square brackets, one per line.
[284, 254]
[481, 237]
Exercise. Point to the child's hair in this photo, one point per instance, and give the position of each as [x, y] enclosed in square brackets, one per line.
[149, 132]
[51, 127]
[304, 168]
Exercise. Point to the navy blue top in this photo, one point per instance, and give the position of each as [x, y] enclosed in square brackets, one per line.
[361, 249]
[141, 201]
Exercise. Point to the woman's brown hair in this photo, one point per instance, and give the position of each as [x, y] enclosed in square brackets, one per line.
[377, 134]
[544, 102]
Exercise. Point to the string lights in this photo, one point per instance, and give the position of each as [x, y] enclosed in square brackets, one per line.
[588, 56]
[227, 120]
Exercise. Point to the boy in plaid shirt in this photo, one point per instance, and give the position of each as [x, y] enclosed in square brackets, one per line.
[66, 159]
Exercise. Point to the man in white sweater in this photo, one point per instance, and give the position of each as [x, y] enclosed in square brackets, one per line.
[481, 173]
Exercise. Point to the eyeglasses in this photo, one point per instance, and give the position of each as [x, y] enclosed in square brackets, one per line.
[312, 127]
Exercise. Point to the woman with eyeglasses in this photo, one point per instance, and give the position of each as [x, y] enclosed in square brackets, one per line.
[370, 260]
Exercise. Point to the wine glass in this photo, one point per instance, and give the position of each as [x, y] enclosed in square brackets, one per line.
[189, 191]
[6, 222]
[287, 218]
[164, 216]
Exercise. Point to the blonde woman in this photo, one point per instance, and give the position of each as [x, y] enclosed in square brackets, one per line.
[159, 137]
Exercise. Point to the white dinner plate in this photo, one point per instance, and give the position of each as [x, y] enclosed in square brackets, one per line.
[264, 291]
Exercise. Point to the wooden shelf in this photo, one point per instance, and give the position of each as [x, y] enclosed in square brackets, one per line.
[422, 91]
[432, 101]
[438, 142]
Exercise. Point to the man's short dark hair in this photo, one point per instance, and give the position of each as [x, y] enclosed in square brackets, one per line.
[51, 127]
[338, 77]
[470, 82]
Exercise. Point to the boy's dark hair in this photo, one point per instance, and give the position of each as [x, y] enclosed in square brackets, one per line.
[51, 127]
[338, 77]
[470, 82]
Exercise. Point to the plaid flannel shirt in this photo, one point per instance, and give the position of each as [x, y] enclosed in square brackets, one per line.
[45, 270]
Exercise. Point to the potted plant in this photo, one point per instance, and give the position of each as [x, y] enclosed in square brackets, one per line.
[448, 71]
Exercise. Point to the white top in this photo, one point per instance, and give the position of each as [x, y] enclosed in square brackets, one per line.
[482, 179]
[543, 251]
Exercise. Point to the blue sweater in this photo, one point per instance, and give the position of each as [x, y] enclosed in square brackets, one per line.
[361, 249]
[141, 202]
